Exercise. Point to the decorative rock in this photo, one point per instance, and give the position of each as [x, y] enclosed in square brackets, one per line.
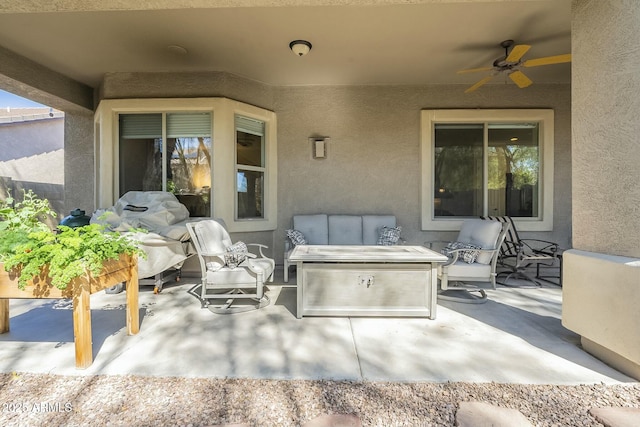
[480, 414]
[617, 417]
[335, 420]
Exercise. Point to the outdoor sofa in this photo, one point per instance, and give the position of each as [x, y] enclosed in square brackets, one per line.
[326, 229]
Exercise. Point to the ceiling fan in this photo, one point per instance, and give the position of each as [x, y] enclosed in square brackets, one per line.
[511, 63]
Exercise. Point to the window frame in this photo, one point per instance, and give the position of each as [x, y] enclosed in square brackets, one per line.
[545, 119]
[224, 182]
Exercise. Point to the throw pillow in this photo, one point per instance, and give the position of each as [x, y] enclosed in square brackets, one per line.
[389, 236]
[296, 237]
[236, 253]
[469, 255]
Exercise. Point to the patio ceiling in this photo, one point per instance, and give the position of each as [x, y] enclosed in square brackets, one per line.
[357, 42]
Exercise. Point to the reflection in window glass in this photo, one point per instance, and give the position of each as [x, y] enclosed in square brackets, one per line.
[184, 171]
[189, 175]
[250, 170]
[250, 194]
[458, 170]
[512, 182]
[140, 152]
[514, 168]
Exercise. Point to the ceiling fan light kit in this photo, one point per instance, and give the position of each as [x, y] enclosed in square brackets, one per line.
[511, 63]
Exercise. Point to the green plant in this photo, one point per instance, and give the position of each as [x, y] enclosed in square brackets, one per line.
[27, 244]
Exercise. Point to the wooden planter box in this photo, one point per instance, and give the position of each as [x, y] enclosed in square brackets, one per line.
[124, 269]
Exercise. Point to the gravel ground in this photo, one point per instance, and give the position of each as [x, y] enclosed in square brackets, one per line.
[52, 400]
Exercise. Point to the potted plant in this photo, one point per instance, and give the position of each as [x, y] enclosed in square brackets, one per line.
[29, 247]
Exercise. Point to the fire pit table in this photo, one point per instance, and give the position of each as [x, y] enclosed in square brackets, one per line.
[366, 280]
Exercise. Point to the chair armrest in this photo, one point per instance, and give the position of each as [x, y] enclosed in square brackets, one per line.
[452, 256]
[260, 247]
[543, 246]
[257, 269]
[212, 254]
[456, 255]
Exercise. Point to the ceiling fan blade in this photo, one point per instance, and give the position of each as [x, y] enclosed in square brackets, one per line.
[477, 85]
[473, 70]
[520, 79]
[517, 52]
[548, 60]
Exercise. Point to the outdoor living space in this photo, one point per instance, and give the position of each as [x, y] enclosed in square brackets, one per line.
[515, 342]
[432, 112]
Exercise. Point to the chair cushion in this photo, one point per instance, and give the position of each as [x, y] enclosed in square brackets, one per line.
[480, 233]
[213, 239]
[296, 237]
[389, 236]
[460, 270]
[469, 256]
[345, 230]
[237, 277]
[314, 227]
[371, 226]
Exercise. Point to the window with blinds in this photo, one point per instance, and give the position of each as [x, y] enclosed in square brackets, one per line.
[168, 152]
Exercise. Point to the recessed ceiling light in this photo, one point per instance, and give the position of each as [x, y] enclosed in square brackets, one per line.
[178, 50]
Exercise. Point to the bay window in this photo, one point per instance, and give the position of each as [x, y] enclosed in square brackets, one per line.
[487, 162]
[218, 156]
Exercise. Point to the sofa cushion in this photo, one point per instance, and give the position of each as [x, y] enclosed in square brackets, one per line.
[371, 226]
[345, 230]
[314, 227]
[389, 236]
[481, 233]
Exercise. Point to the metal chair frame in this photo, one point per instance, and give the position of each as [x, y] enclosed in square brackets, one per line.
[517, 255]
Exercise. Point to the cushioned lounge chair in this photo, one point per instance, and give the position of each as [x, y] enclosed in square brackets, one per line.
[472, 258]
[229, 271]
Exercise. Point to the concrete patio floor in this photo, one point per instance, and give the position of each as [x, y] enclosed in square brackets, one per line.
[516, 337]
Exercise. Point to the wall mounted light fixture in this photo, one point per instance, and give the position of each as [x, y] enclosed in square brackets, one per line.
[300, 47]
[319, 147]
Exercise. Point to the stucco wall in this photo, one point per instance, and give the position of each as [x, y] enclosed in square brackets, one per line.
[606, 194]
[374, 149]
[32, 155]
[79, 162]
[190, 85]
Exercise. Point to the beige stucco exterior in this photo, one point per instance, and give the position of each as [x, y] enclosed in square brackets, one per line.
[600, 302]
[601, 279]
[606, 127]
[32, 155]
